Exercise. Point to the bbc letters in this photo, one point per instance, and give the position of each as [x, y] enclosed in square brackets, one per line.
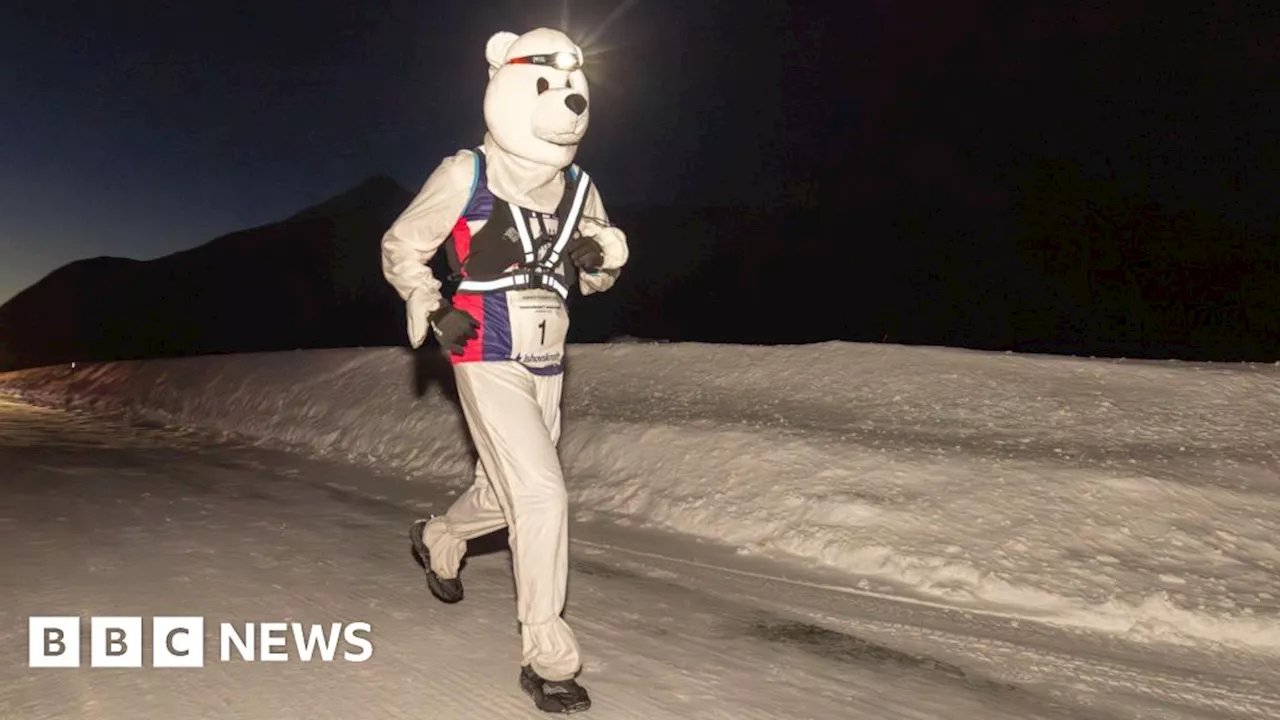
[180, 642]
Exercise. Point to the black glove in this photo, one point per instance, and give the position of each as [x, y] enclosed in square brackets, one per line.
[585, 252]
[454, 327]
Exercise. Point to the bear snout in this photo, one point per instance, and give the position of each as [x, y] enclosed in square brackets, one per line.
[577, 103]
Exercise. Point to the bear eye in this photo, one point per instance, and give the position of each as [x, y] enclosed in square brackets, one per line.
[543, 85]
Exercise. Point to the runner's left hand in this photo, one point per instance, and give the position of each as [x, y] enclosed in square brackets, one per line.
[585, 252]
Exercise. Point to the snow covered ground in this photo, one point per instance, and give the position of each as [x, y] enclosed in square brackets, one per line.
[1137, 501]
[104, 519]
[1133, 497]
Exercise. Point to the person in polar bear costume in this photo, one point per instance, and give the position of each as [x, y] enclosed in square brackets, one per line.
[521, 225]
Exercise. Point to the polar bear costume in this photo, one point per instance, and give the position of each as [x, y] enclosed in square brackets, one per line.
[518, 220]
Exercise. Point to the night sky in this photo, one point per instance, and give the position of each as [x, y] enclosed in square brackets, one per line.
[136, 129]
[139, 128]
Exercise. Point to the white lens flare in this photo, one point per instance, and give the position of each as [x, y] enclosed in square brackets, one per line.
[566, 60]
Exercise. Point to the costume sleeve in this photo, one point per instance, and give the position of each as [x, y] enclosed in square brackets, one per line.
[416, 236]
[612, 240]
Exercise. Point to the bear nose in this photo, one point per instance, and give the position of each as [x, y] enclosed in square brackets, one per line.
[576, 103]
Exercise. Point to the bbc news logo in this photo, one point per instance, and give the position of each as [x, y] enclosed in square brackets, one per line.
[179, 642]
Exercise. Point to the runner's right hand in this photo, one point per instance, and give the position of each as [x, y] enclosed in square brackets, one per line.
[454, 328]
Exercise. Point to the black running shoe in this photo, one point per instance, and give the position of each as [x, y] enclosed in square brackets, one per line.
[560, 696]
[446, 590]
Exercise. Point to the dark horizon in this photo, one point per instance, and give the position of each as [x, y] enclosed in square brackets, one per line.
[1092, 181]
[148, 128]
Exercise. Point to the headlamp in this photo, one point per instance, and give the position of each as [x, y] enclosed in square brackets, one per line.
[563, 60]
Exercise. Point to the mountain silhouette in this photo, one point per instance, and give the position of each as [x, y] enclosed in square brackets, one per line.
[838, 260]
[311, 280]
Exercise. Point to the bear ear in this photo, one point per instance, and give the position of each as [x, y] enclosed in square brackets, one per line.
[495, 51]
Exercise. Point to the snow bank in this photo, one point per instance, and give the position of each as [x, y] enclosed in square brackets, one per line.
[1139, 498]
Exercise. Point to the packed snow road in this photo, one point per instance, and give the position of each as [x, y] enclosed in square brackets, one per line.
[99, 519]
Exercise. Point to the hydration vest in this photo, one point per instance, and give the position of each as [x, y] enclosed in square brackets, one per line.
[506, 253]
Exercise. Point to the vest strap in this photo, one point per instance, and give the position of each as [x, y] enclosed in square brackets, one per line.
[520, 280]
[570, 223]
[537, 273]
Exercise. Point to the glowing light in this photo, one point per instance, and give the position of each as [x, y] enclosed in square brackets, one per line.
[566, 61]
[562, 60]
[590, 47]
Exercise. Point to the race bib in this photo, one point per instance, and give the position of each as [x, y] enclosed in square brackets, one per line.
[539, 327]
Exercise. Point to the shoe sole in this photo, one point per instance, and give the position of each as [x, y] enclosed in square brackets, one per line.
[529, 687]
[424, 557]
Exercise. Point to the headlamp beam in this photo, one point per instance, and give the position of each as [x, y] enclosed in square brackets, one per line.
[562, 60]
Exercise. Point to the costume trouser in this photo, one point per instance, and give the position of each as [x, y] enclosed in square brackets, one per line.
[514, 418]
